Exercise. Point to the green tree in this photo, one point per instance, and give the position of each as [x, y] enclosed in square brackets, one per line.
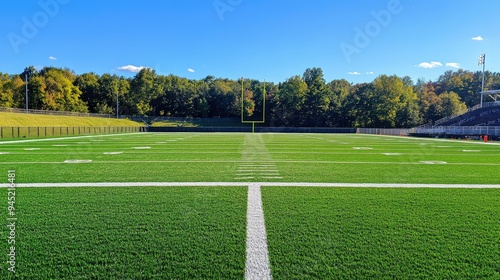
[6, 91]
[337, 114]
[395, 103]
[88, 84]
[224, 98]
[144, 88]
[317, 103]
[429, 103]
[289, 101]
[360, 106]
[60, 93]
[451, 104]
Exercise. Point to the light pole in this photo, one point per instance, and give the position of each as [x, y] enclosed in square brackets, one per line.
[117, 104]
[482, 61]
[26, 83]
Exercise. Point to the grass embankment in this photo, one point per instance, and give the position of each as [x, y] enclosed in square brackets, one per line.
[203, 122]
[32, 120]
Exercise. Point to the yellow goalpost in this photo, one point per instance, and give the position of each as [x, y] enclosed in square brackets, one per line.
[253, 122]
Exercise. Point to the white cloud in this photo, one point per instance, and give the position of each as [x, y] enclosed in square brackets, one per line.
[52, 58]
[191, 70]
[478, 38]
[131, 68]
[453, 64]
[370, 73]
[430, 65]
[353, 73]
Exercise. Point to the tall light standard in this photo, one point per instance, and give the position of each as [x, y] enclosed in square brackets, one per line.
[117, 104]
[482, 61]
[26, 83]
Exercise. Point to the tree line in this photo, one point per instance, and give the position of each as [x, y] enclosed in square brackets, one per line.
[307, 100]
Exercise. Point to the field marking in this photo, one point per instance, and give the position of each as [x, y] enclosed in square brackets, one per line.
[67, 138]
[433, 162]
[236, 161]
[78, 161]
[433, 139]
[255, 159]
[257, 256]
[245, 184]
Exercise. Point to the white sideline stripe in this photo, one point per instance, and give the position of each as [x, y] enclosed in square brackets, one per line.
[256, 170]
[228, 161]
[257, 263]
[433, 139]
[244, 184]
[67, 138]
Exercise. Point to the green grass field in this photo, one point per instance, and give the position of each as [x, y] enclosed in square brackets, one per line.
[199, 232]
[127, 233]
[338, 233]
[178, 157]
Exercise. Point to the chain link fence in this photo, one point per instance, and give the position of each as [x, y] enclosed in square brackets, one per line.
[40, 132]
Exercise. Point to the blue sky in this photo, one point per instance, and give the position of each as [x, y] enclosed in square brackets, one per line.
[262, 39]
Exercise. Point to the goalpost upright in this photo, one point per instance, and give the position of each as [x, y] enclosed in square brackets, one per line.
[253, 122]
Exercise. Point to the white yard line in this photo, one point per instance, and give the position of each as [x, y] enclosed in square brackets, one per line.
[244, 184]
[243, 170]
[67, 138]
[257, 263]
[256, 160]
[434, 139]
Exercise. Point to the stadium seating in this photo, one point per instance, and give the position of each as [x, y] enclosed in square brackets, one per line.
[486, 116]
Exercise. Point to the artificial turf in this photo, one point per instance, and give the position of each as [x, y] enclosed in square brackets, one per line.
[177, 157]
[361, 233]
[315, 233]
[130, 233]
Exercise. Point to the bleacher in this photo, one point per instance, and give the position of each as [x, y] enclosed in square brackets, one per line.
[474, 124]
[485, 116]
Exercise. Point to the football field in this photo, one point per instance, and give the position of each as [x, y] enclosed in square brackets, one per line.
[255, 206]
